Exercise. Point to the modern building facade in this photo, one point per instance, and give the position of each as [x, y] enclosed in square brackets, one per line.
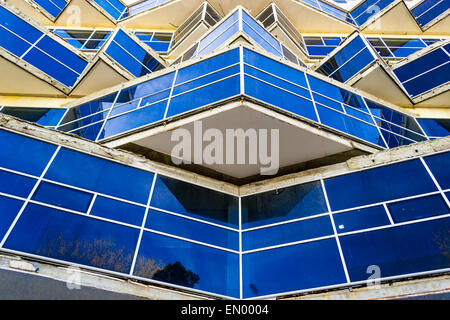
[227, 149]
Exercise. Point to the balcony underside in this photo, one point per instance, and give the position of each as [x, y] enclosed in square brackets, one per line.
[301, 145]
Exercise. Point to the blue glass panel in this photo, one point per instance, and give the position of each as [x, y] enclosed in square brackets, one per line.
[435, 127]
[186, 228]
[279, 98]
[399, 250]
[9, 208]
[283, 204]
[207, 47]
[74, 238]
[15, 184]
[420, 65]
[43, 116]
[285, 233]
[89, 132]
[319, 50]
[188, 264]
[118, 210]
[62, 54]
[428, 10]
[113, 7]
[418, 208]
[428, 81]
[51, 67]
[439, 166]
[209, 65]
[204, 96]
[81, 122]
[270, 46]
[367, 9]
[361, 219]
[126, 60]
[274, 67]
[16, 153]
[349, 125]
[62, 196]
[11, 43]
[222, 32]
[353, 66]
[134, 119]
[88, 108]
[53, 7]
[159, 46]
[195, 201]
[284, 269]
[91, 173]
[17, 25]
[206, 79]
[385, 183]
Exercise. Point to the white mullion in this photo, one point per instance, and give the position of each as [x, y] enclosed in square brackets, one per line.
[388, 213]
[436, 183]
[344, 265]
[11, 227]
[241, 285]
[144, 220]
[32, 46]
[107, 115]
[171, 93]
[94, 197]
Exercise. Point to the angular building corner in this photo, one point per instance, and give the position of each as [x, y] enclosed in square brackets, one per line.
[286, 149]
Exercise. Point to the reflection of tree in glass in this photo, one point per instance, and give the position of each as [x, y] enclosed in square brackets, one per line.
[98, 253]
[176, 273]
[105, 254]
[442, 238]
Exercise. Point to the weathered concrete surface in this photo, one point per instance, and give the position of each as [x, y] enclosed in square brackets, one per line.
[22, 279]
[395, 290]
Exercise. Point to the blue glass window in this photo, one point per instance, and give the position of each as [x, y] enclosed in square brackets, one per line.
[74, 238]
[9, 208]
[62, 196]
[428, 10]
[284, 269]
[95, 174]
[418, 208]
[438, 165]
[361, 219]
[285, 233]
[379, 184]
[186, 228]
[281, 205]
[399, 250]
[43, 116]
[16, 150]
[188, 264]
[195, 201]
[15, 184]
[435, 127]
[117, 210]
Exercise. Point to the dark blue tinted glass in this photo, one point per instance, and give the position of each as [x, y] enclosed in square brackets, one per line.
[285, 233]
[186, 228]
[204, 96]
[439, 166]
[9, 208]
[17, 25]
[74, 238]
[285, 269]
[84, 171]
[117, 210]
[418, 208]
[398, 180]
[134, 119]
[284, 204]
[15, 184]
[435, 127]
[62, 196]
[209, 65]
[399, 250]
[361, 219]
[24, 154]
[43, 116]
[188, 264]
[279, 98]
[195, 201]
